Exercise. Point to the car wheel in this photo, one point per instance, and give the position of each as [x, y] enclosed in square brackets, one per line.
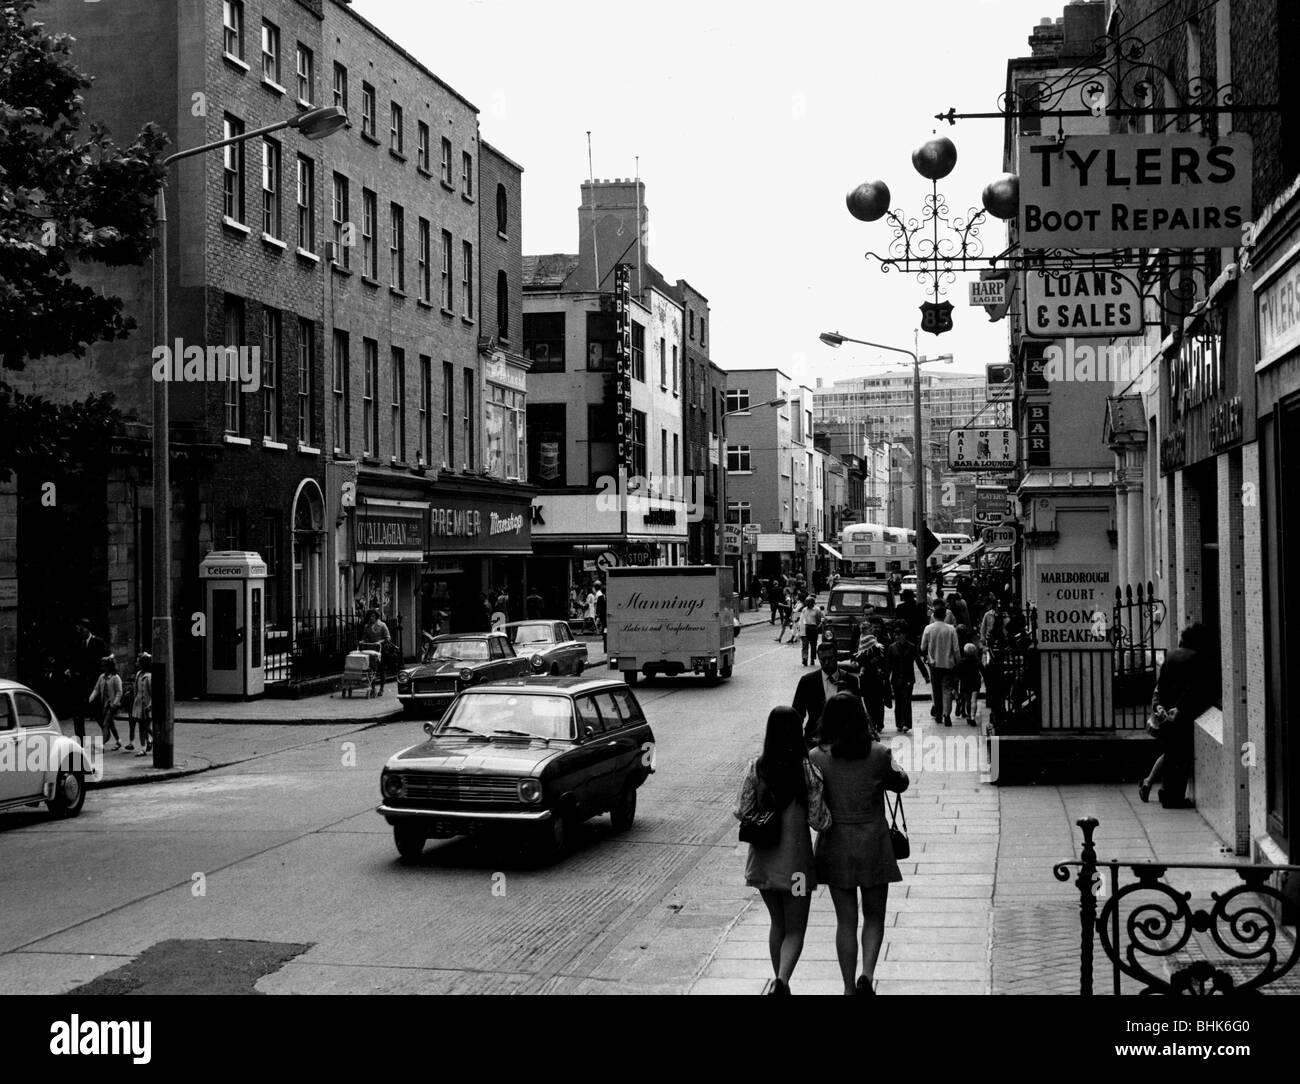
[726, 669]
[624, 812]
[69, 794]
[630, 676]
[410, 842]
[711, 673]
[578, 667]
[555, 837]
[555, 669]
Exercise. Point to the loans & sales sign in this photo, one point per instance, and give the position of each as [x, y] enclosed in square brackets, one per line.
[1172, 190]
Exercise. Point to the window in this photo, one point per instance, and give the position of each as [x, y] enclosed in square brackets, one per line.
[396, 247]
[424, 431]
[467, 406]
[369, 239]
[663, 364]
[342, 427]
[306, 75]
[447, 300]
[602, 341]
[448, 408]
[739, 512]
[422, 146]
[501, 210]
[369, 413]
[663, 451]
[446, 161]
[547, 444]
[425, 285]
[467, 280]
[395, 143]
[306, 383]
[368, 111]
[234, 336]
[638, 443]
[399, 404]
[1029, 102]
[602, 446]
[737, 399]
[503, 432]
[340, 86]
[271, 223]
[270, 52]
[701, 332]
[467, 174]
[236, 528]
[232, 178]
[306, 204]
[638, 351]
[272, 532]
[675, 377]
[544, 341]
[272, 353]
[232, 28]
[738, 457]
[677, 467]
[503, 307]
[342, 228]
[691, 315]
[808, 425]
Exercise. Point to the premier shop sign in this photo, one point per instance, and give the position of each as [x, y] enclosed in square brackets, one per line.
[1173, 190]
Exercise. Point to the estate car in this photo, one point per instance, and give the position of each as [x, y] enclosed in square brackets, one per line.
[532, 758]
[851, 604]
[454, 662]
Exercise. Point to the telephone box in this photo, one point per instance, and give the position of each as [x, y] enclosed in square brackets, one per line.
[234, 601]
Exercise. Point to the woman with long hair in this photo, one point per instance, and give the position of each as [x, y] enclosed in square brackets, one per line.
[782, 782]
[855, 856]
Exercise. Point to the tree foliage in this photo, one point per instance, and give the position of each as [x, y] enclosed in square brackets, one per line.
[68, 196]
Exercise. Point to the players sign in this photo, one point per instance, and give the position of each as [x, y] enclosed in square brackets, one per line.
[1174, 190]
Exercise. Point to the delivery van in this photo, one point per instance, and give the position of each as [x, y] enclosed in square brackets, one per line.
[670, 619]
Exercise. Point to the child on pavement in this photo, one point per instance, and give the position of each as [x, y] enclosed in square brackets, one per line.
[108, 693]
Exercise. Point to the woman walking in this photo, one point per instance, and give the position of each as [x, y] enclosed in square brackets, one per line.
[1183, 692]
[784, 783]
[855, 856]
[108, 694]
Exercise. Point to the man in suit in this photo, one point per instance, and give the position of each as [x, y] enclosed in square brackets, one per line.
[87, 666]
[814, 689]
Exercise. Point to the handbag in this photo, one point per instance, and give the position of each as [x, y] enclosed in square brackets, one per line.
[898, 836]
[762, 828]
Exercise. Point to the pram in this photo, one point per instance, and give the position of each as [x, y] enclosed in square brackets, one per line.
[362, 669]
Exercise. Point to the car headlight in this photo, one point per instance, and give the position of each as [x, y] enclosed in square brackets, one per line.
[404, 677]
[530, 791]
[467, 675]
[537, 662]
[392, 786]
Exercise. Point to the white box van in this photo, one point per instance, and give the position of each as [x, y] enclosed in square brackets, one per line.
[671, 619]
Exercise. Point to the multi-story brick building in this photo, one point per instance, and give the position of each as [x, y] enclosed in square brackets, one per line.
[372, 272]
[701, 381]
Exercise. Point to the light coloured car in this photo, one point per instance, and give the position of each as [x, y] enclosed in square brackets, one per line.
[548, 646]
[37, 763]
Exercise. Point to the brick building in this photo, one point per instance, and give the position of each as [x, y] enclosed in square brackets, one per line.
[369, 274]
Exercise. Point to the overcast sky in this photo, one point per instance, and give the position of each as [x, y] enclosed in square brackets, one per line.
[751, 121]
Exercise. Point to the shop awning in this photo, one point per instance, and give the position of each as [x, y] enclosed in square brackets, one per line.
[832, 551]
[964, 556]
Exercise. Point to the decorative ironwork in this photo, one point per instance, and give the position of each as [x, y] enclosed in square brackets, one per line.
[1147, 922]
[918, 248]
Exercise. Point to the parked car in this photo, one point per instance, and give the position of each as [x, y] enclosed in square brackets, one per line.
[849, 606]
[548, 646]
[37, 763]
[454, 662]
[532, 757]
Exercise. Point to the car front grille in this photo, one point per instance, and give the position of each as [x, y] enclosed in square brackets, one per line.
[434, 685]
[461, 790]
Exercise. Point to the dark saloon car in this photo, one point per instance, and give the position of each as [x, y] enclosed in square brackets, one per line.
[852, 604]
[548, 646]
[455, 662]
[532, 758]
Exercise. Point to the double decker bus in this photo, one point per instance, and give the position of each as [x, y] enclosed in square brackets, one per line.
[875, 551]
[951, 546]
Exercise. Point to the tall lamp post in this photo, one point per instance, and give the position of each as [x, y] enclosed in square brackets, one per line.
[722, 535]
[835, 339]
[314, 124]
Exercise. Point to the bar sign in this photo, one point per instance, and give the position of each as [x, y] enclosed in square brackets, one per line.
[1038, 435]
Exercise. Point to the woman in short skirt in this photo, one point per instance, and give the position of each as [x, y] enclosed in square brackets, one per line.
[856, 855]
[782, 781]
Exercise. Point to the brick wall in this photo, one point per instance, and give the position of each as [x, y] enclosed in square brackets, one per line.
[501, 249]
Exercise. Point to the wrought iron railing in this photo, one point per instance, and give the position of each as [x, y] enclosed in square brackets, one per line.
[1165, 942]
[316, 644]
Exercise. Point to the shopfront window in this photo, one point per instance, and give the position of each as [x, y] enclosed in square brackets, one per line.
[504, 422]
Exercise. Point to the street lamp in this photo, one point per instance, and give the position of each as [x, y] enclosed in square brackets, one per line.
[836, 340]
[722, 496]
[314, 124]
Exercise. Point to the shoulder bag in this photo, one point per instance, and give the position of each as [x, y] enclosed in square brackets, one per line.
[761, 827]
[898, 836]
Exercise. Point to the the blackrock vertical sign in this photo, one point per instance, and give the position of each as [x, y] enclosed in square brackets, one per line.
[1174, 190]
[623, 365]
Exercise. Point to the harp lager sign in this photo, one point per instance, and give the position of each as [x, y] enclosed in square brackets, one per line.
[1172, 190]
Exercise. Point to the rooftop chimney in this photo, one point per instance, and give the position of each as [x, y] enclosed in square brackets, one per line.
[610, 207]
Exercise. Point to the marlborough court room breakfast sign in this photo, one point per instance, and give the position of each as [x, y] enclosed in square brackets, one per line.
[1172, 190]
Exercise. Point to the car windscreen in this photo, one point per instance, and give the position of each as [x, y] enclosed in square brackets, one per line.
[462, 650]
[530, 634]
[497, 713]
[856, 602]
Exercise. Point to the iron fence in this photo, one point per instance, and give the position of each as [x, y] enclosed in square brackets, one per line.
[316, 643]
[1159, 939]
